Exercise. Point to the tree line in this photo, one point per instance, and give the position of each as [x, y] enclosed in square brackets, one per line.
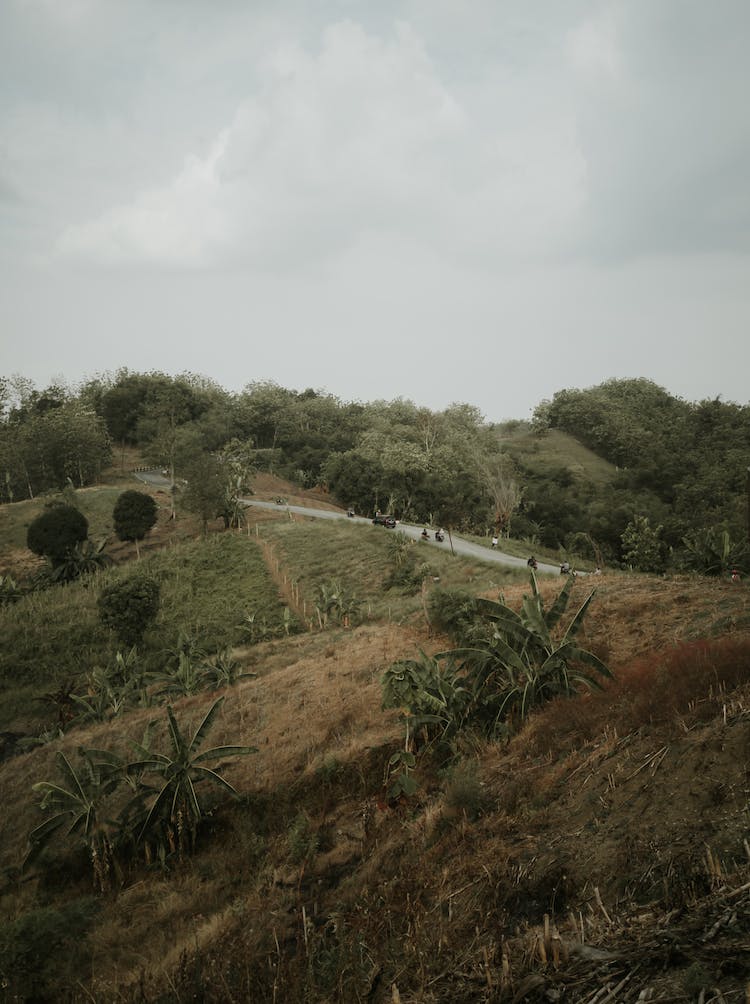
[677, 497]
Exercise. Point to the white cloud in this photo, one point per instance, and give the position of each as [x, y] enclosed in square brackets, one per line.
[593, 48]
[360, 136]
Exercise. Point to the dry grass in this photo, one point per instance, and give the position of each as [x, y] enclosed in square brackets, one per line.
[621, 793]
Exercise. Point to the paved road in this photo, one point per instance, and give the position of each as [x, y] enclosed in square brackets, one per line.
[460, 546]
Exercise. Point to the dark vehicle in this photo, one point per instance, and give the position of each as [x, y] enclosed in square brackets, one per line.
[382, 520]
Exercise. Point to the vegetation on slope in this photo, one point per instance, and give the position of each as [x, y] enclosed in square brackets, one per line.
[315, 886]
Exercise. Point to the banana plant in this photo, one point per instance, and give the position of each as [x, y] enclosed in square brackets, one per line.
[430, 690]
[76, 805]
[223, 670]
[525, 661]
[176, 810]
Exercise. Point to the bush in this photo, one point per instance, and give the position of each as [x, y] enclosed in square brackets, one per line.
[129, 607]
[56, 531]
[134, 515]
[454, 612]
[44, 949]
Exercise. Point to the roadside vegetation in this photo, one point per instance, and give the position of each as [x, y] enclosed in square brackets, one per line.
[262, 757]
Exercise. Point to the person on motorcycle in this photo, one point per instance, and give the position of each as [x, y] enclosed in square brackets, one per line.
[425, 534]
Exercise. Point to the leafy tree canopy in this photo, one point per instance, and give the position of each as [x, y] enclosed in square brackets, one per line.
[56, 531]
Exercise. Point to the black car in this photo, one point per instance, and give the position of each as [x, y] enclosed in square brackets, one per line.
[382, 520]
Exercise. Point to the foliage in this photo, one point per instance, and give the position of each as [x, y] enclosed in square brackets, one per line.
[338, 603]
[712, 551]
[134, 515]
[524, 663]
[47, 443]
[453, 611]
[206, 491]
[407, 572]
[303, 839]
[431, 690]
[642, 546]
[56, 531]
[113, 688]
[76, 805]
[176, 811]
[10, 591]
[44, 950]
[163, 817]
[128, 607]
[84, 558]
[223, 670]
[399, 779]
[508, 664]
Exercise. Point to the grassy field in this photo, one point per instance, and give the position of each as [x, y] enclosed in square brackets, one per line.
[208, 590]
[555, 449]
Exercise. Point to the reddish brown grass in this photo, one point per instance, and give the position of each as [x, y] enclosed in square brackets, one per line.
[676, 687]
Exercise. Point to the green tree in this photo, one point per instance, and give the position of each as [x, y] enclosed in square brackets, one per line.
[499, 476]
[56, 531]
[134, 515]
[129, 607]
[206, 491]
[642, 545]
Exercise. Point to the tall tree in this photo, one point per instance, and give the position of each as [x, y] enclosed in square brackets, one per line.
[134, 515]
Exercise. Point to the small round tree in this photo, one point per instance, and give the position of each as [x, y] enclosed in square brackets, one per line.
[134, 515]
[56, 531]
[129, 607]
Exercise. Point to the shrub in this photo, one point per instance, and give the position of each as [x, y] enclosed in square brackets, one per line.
[44, 949]
[134, 515]
[129, 607]
[56, 531]
[453, 611]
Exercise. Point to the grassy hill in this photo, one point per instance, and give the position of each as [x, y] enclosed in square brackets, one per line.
[604, 845]
[555, 449]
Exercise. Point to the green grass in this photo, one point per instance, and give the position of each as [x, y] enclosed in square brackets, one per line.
[318, 551]
[95, 504]
[554, 449]
[53, 637]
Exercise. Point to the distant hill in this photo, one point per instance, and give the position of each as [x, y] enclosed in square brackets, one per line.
[548, 451]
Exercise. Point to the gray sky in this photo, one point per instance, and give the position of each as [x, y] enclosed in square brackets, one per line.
[444, 201]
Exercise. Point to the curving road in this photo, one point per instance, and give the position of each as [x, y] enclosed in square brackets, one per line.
[460, 546]
[466, 547]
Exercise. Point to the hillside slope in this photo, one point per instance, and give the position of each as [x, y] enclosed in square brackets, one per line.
[604, 846]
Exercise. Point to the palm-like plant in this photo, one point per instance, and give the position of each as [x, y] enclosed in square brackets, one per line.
[76, 805]
[188, 678]
[223, 670]
[83, 558]
[430, 689]
[176, 811]
[524, 661]
[337, 602]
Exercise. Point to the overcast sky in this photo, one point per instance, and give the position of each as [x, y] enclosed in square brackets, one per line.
[482, 202]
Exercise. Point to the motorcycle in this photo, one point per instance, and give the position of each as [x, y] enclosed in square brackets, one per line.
[439, 536]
